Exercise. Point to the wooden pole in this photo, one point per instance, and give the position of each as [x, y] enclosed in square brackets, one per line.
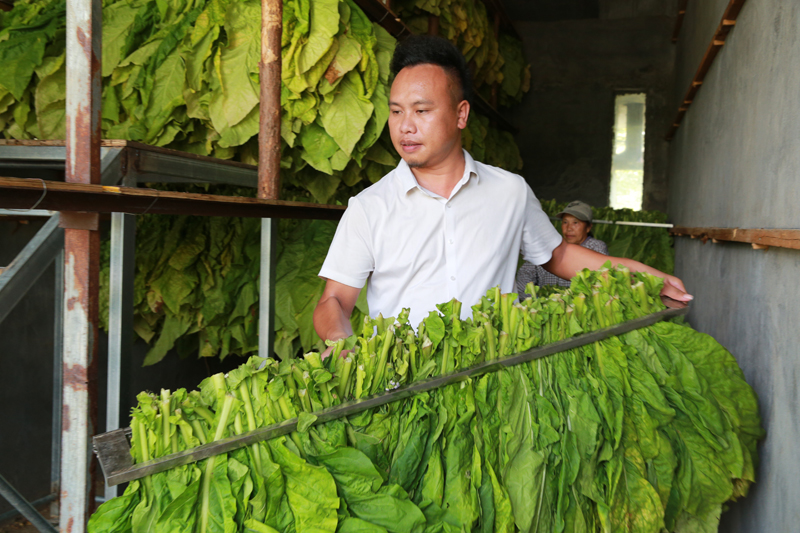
[497, 37]
[269, 133]
[433, 25]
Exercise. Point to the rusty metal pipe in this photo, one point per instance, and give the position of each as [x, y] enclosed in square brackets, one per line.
[81, 265]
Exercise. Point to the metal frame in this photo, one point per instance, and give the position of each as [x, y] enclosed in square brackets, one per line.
[23, 506]
[128, 164]
[86, 162]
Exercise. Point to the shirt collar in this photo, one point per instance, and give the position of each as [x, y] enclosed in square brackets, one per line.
[408, 181]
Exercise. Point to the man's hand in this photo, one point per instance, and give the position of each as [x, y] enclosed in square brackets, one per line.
[568, 259]
[674, 290]
[332, 314]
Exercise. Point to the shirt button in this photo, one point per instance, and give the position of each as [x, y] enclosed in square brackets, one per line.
[449, 206]
[451, 241]
[452, 278]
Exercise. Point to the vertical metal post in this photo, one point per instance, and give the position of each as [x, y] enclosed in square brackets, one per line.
[120, 320]
[81, 264]
[58, 351]
[269, 160]
[266, 301]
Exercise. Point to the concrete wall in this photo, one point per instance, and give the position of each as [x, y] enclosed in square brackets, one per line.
[735, 163]
[566, 120]
[610, 9]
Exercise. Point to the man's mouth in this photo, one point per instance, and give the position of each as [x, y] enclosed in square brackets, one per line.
[410, 147]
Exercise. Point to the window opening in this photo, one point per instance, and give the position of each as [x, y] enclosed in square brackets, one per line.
[627, 163]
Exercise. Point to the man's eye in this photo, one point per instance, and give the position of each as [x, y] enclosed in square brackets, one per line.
[422, 110]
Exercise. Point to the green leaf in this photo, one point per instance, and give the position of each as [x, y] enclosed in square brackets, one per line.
[20, 55]
[318, 147]
[310, 490]
[347, 57]
[51, 105]
[239, 60]
[345, 118]
[118, 20]
[324, 26]
[305, 421]
[167, 93]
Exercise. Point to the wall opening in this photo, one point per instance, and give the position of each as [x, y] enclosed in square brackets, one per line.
[627, 165]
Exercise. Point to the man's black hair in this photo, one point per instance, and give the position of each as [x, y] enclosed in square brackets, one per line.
[432, 50]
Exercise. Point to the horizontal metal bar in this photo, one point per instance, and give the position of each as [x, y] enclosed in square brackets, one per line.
[29, 264]
[351, 408]
[27, 510]
[627, 223]
[162, 167]
[19, 193]
[26, 213]
[39, 154]
[630, 223]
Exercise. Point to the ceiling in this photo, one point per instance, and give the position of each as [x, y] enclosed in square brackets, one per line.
[550, 10]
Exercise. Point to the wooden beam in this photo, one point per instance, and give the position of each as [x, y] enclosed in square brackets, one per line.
[496, 7]
[758, 238]
[383, 15]
[269, 133]
[23, 193]
[727, 23]
[679, 20]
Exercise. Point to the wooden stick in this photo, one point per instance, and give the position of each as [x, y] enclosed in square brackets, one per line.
[269, 133]
[718, 40]
[24, 193]
[761, 239]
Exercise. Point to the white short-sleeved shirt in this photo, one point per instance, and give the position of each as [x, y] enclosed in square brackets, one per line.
[418, 249]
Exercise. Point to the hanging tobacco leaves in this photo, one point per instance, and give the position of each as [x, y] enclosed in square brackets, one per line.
[654, 430]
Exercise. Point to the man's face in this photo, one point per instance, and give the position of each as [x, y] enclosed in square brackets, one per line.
[425, 118]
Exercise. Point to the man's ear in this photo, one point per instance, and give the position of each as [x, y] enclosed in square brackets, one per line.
[463, 114]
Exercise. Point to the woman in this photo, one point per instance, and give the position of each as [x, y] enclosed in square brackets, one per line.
[576, 227]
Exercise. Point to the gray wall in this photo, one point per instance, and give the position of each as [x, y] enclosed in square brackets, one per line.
[566, 120]
[637, 8]
[735, 163]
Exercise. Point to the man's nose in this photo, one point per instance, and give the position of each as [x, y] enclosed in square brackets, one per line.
[407, 124]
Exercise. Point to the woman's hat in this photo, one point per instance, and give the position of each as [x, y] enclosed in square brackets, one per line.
[580, 210]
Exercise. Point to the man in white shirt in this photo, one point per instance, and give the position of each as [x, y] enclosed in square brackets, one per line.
[440, 225]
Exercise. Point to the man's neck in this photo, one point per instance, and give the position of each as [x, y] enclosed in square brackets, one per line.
[443, 177]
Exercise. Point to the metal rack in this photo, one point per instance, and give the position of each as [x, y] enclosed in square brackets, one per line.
[84, 159]
[128, 164]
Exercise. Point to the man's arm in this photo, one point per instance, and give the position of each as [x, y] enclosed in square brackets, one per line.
[568, 259]
[332, 314]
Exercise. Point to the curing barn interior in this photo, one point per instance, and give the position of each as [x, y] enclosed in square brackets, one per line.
[219, 313]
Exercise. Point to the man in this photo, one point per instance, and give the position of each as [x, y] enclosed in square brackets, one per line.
[440, 225]
[576, 226]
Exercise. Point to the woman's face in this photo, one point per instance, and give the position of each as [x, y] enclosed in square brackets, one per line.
[575, 231]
